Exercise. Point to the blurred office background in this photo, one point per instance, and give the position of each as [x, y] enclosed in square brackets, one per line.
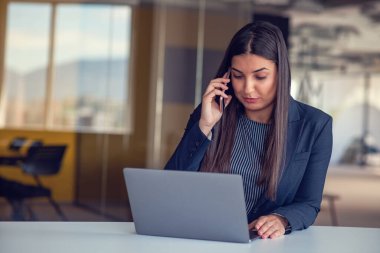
[114, 82]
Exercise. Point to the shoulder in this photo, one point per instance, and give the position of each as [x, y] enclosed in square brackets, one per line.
[197, 111]
[194, 117]
[312, 114]
[196, 114]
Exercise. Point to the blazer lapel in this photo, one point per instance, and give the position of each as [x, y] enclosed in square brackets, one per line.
[295, 124]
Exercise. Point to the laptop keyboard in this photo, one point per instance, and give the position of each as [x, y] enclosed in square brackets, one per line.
[253, 234]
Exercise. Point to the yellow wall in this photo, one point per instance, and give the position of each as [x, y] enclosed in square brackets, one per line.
[62, 184]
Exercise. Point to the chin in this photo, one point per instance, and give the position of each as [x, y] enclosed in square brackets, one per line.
[253, 107]
[259, 106]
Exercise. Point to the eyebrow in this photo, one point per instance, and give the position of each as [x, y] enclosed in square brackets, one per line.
[257, 70]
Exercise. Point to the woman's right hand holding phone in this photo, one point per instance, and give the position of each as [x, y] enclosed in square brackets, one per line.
[211, 111]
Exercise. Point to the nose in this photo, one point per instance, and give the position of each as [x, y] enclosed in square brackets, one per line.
[250, 86]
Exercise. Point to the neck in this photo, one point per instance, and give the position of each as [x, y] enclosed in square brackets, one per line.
[261, 116]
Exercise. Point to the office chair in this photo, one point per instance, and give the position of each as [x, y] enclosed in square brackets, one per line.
[20, 147]
[40, 161]
[16, 143]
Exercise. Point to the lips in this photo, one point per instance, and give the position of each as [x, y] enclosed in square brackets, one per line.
[251, 100]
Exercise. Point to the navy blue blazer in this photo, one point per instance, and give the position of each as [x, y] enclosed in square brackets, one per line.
[308, 152]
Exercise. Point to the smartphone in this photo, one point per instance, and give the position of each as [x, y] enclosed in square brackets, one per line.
[220, 99]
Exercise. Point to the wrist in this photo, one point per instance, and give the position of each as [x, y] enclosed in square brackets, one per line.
[205, 128]
[284, 220]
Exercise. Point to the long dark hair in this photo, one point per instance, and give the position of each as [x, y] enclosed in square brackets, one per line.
[266, 40]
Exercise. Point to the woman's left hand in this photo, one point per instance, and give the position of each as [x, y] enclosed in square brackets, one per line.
[269, 226]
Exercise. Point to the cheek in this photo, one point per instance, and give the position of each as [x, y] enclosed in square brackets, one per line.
[270, 88]
[236, 86]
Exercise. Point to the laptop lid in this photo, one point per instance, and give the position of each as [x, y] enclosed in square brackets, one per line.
[192, 205]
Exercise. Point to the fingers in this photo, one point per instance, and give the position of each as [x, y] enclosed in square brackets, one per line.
[219, 83]
[260, 222]
[252, 225]
[228, 100]
[210, 95]
[227, 74]
[217, 87]
[212, 111]
[269, 226]
[268, 230]
[275, 235]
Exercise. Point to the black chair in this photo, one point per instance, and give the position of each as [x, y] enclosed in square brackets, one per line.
[16, 143]
[40, 161]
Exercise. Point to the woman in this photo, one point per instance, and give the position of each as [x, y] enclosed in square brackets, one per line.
[279, 146]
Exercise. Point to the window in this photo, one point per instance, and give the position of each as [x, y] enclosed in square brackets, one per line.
[26, 62]
[82, 84]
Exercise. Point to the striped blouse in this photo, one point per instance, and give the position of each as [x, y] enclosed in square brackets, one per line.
[247, 152]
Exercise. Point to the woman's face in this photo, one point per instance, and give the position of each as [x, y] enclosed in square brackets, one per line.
[254, 80]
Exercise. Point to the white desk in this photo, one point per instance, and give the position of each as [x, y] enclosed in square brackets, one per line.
[114, 237]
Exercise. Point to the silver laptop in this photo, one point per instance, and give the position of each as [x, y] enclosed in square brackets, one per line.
[192, 205]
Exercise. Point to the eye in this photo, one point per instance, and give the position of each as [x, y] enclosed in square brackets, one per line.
[260, 77]
[237, 76]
